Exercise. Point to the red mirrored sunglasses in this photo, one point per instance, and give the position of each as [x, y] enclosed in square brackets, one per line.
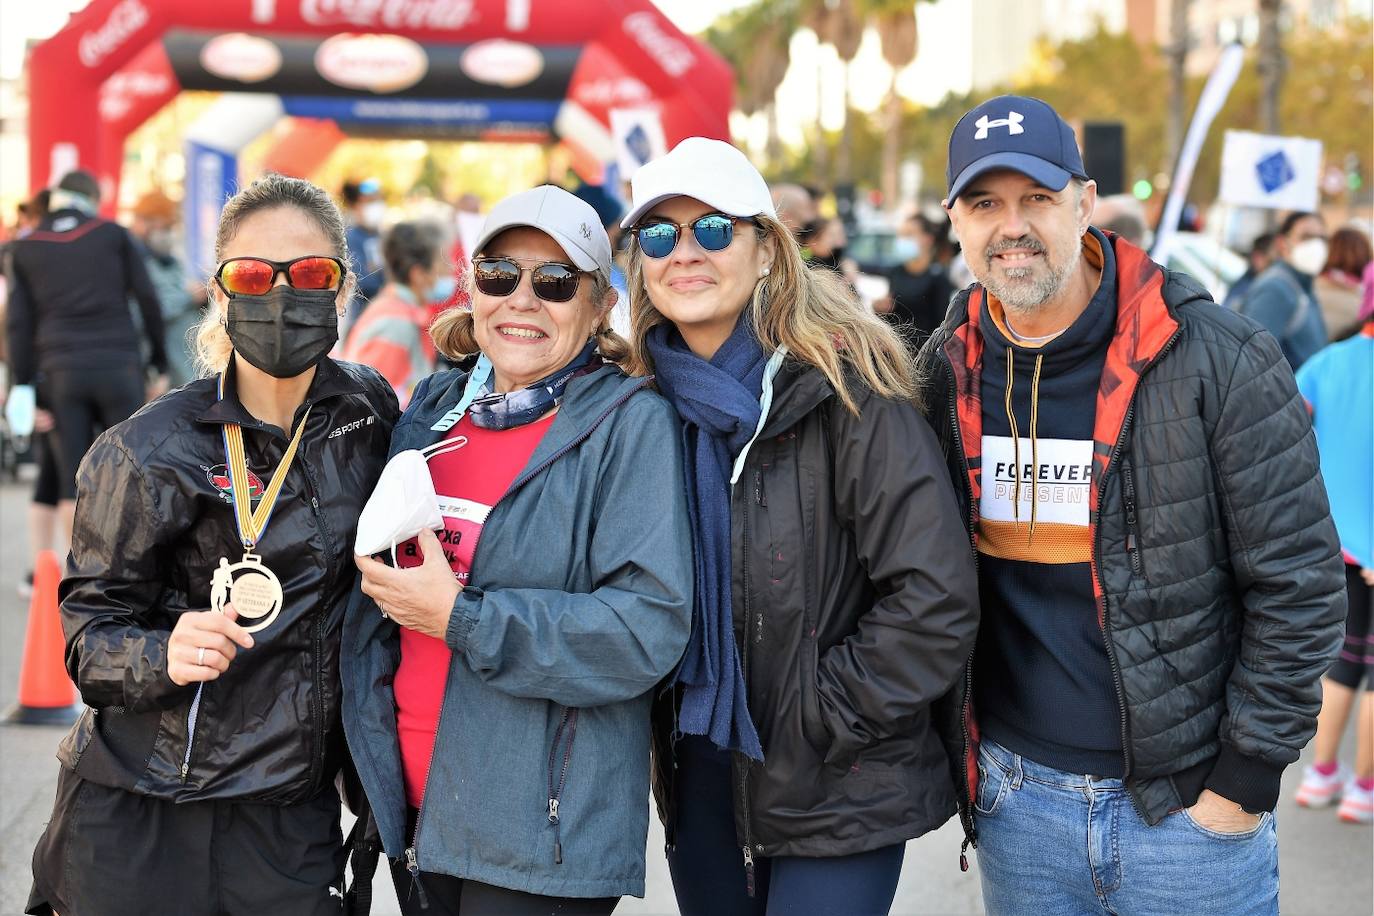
[255, 276]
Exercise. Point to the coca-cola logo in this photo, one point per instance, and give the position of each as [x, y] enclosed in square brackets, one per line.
[242, 57]
[125, 19]
[668, 51]
[609, 92]
[502, 63]
[380, 63]
[390, 14]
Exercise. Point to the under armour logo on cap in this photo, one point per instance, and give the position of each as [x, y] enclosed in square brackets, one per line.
[1012, 122]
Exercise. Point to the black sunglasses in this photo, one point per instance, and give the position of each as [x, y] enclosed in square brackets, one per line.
[551, 281]
[713, 232]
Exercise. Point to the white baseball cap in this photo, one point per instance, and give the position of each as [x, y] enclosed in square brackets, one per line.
[711, 171]
[565, 218]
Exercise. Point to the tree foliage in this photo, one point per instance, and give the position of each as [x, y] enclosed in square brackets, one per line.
[1328, 94]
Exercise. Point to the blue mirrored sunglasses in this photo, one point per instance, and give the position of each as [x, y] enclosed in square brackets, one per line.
[713, 232]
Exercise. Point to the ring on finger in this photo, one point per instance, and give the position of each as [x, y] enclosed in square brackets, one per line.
[200, 656]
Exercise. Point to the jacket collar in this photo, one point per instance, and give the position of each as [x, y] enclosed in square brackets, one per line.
[588, 399]
[797, 390]
[330, 381]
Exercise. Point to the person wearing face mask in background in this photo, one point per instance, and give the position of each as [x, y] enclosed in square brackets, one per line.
[919, 287]
[205, 763]
[182, 296]
[1337, 287]
[365, 212]
[391, 335]
[1281, 299]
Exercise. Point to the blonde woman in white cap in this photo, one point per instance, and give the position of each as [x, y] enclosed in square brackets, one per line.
[498, 683]
[836, 599]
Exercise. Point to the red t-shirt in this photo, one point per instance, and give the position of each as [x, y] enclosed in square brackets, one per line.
[469, 481]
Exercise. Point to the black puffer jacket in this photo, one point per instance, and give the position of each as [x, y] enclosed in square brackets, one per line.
[855, 605]
[1216, 564]
[153, 518]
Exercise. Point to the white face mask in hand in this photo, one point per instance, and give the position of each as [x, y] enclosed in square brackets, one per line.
[404, 502]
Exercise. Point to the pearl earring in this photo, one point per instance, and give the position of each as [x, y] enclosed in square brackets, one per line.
[766, 271]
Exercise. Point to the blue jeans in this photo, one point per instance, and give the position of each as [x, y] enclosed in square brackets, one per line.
[1059, 844]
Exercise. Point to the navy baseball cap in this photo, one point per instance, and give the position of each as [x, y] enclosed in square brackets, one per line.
[1013, 132]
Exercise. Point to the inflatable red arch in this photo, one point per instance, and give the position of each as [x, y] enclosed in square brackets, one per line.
[117, 62]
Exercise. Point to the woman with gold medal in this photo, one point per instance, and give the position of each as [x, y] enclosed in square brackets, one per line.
[210, 565]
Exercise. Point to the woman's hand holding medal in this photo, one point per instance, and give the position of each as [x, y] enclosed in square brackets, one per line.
[203, 644]
[419, 598]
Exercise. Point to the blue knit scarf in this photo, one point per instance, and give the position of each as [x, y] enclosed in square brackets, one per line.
[718, 403]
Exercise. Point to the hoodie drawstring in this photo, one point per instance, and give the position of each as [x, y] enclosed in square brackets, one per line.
[1016, 439]
[1035, 443]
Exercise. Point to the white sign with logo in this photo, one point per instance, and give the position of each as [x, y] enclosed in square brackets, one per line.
[502, 63]
[242, 57]
[380, 63]
[639, 138]
[1276, 173]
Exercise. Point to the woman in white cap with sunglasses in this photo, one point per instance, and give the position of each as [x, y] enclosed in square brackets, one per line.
[498, 683]
[836, 599]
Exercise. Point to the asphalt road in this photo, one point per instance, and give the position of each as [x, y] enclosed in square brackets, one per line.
[1326, 868]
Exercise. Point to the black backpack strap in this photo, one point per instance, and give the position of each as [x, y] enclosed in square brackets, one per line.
[364, 845]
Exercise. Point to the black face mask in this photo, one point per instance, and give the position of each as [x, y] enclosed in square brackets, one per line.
[285, 331]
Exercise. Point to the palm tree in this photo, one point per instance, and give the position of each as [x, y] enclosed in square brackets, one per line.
[847, 22]
[818, 16]
[897, 31]
[1178, 75]
[1271, 64]
[755, 40]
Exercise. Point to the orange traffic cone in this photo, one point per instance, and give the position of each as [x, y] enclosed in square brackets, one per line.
[46, 695]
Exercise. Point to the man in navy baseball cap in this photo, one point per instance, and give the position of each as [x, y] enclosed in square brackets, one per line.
[1159, 577]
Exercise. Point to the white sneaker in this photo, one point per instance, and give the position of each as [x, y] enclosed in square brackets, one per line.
[1357, 805]
[1318, 791]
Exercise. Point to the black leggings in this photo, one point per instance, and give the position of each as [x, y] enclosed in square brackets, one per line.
[83, 404]
[450, 896]
[46, 489]
[707, 863]
[1356, 661]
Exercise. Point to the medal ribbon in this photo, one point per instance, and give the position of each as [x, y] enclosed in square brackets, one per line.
[252, 523]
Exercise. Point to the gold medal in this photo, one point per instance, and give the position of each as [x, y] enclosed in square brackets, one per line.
[252, 588]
